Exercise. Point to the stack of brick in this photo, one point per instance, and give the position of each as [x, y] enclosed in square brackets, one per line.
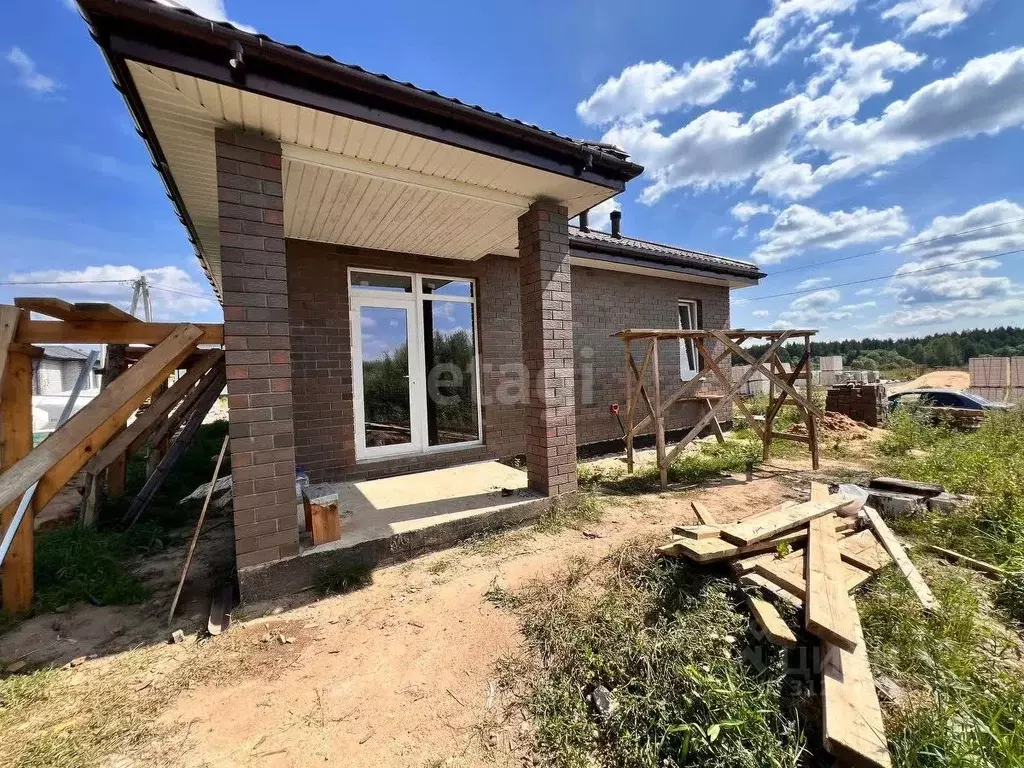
[865, 403]
[990, 377]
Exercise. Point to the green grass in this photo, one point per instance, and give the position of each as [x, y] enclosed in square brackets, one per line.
[960, 671]
[583, 507]
[690, 684]
[710, 461]
[343, 578]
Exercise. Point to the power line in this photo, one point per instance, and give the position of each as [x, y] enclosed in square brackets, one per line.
[60, 282]
[895, 247]
[939, 268]
[180, 293]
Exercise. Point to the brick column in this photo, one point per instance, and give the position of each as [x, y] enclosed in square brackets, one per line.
[546, 296]
[256, 341]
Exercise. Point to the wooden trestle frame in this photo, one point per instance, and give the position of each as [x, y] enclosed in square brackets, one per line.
[96, 438]
[715, 347]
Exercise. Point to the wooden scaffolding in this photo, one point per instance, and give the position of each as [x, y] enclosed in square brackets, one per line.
[714, 348]
[98, 437]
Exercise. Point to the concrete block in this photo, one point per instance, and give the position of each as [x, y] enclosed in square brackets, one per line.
[892, 504]
[949, 502]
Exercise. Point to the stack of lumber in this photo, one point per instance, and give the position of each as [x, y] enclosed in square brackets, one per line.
[813, 555]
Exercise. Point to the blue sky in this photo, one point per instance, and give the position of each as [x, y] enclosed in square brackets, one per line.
[790, 132]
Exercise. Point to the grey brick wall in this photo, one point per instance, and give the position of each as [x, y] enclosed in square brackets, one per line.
[603, 302]
[256, 341]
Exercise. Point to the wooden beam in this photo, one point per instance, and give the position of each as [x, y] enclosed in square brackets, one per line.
[641, 390]
[51, 307]
[895, 549]
[215, 378]
[780, 519]
[99, 332]
[16, 425]
[738, 402]
[54, 461]
[854, 730]
[659, 418]
[787, 436]
[712, 550]
[703, 514]
[789, 572]
[760, 582]
[629, 407]
[129, 440]
[106, 312]
[731, 393]
[9, 318]
[978, 565]
[829, 607]
[864, 550]
[167, 463]
[741, 334]
[758, 364]
[697, 531]
[811, 413]
[685, 391]
[771, 623]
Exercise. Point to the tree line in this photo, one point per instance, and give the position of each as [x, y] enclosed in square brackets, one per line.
[934, 350]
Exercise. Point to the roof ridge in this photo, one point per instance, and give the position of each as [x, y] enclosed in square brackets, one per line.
[637, 242]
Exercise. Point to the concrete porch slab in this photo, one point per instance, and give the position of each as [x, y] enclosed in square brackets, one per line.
[396, 518]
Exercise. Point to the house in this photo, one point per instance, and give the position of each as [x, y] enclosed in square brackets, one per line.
[402, 290]
[57, 370]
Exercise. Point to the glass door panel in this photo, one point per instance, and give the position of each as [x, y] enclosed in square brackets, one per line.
[385, 370]
[449, 354]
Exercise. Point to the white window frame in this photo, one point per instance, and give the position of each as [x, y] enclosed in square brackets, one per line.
[687, 349]
[360, 297]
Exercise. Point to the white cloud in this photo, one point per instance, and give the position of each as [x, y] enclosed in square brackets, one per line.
[761, 314]
[799, 229]
[29, 77]
[933, 17]
[741, 232]
[214, 10]
[722, 148]
[938, 272]
[169, 292]
[948, 311]
[747, 85]
[598, 216]
[651, 88]
[982, 98]
[786, 15]
[817, 300]
[747, 209]
[812, 282]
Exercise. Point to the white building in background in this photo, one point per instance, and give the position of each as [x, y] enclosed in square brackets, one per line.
[53, 377]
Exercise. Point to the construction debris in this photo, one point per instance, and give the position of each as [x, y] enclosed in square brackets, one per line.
[805, 555]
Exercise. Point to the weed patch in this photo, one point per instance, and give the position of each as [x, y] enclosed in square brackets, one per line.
[344, 577]
[668, 641]
[583, 507]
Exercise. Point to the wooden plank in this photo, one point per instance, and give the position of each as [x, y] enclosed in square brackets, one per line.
[199, 527]
[88, 310]
[789, 572]
[780, 519]
[864, 550]
[771, 623]
[852, 716]
[738, 402]
[215, 378]
[893, 546]
[791, 437]
[181, 444]
[748, 564]
[829, 607]
[741, 334]
[928, 490]
[16, 425]
[629, 408]
[766, 586]
[685, 391]
[129, 440]
[811, 413]
[978, 565]
[711, 550]
[51, 307]
[55, 460]
[9, 317]
[99, 332]
[659, 417]
[703, 514]
[698, 531]
[757, 364]
[819, 491]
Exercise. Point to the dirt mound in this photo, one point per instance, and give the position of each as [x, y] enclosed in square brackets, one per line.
[959, 380]
[836, 425]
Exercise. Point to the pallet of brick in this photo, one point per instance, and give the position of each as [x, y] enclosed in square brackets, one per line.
[1017, 372]
[989, 372]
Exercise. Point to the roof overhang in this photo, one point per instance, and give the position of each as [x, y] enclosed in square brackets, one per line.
[367, 161]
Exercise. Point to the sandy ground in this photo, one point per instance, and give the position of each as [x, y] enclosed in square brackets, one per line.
[959, 380]
[401, 673]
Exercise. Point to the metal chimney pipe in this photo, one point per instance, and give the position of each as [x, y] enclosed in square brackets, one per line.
[583, 221]
[616, 217]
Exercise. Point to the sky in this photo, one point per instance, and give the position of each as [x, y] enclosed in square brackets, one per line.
[830, 141]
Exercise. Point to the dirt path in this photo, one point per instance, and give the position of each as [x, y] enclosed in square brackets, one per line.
[401, 673]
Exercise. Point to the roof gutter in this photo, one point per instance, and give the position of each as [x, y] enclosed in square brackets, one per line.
[184, 42]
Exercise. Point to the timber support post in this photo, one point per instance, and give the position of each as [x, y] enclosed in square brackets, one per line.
[16, 423]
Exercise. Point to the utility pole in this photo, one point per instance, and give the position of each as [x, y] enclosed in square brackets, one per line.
[140, 292]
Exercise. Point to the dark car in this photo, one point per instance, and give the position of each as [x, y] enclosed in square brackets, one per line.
[944, 398]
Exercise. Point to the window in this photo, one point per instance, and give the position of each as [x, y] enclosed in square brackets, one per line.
[688, 321]
[414, 363]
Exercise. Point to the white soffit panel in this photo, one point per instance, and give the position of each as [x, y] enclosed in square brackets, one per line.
[397, 192]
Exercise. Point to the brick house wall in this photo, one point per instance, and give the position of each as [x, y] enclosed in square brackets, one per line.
[603, 302]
